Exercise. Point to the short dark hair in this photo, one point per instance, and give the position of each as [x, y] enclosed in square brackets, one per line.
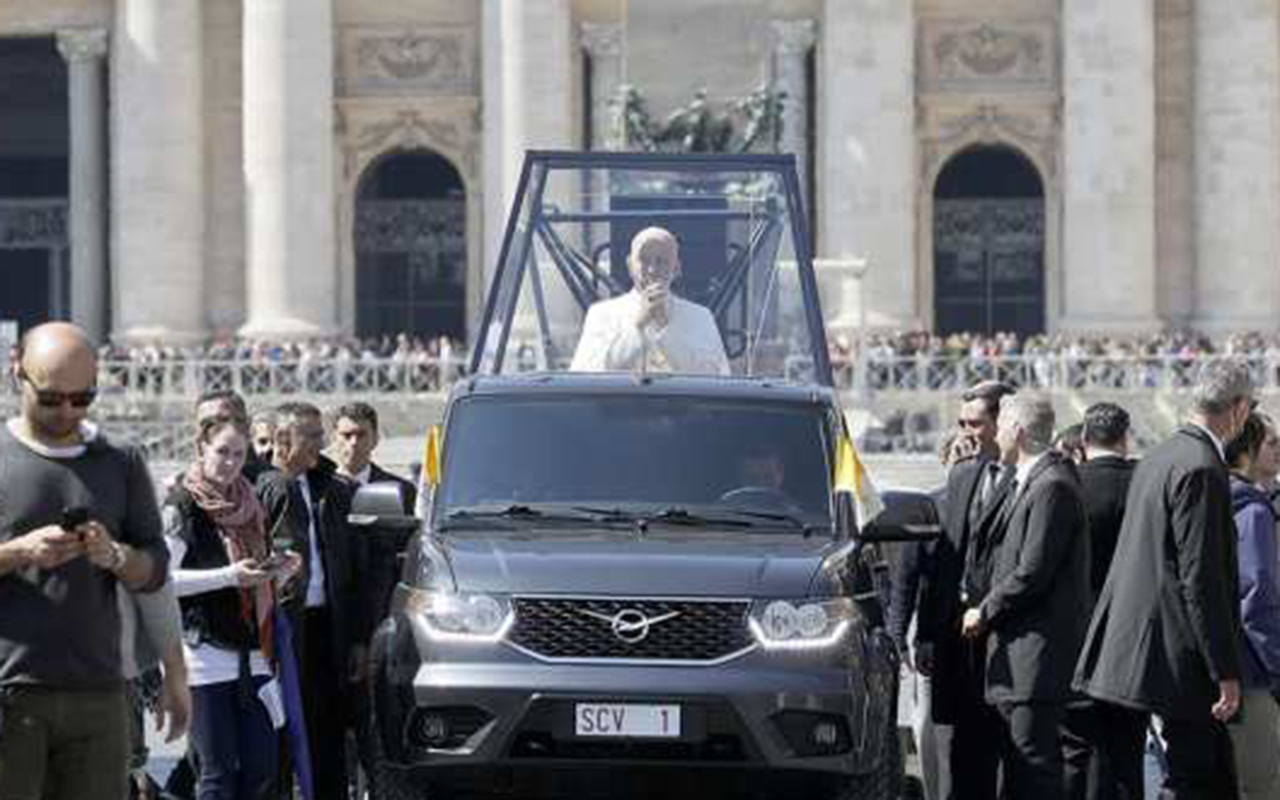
[360, 413]
[1250, 439]
[224, 396]
[1105, 425]
[290, 412]
[990, 393]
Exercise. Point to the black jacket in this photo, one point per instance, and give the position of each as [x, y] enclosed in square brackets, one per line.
[1038, 605]
[343, 554]
[940, 611]
[1166, 627]
[212, 617]
[385, 550]
[1105, 483]
[910, 573]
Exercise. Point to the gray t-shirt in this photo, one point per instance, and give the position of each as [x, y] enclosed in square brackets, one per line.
[61, 627]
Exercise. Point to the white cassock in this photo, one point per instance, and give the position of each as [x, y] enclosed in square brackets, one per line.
[690, 344]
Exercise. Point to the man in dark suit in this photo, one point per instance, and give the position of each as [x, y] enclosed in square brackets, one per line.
[307, 505]
[1164, 634]
[1104, 478]
[956, 580]
[1034, 614]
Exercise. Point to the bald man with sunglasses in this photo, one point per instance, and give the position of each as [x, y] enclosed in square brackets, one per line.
[78, 518]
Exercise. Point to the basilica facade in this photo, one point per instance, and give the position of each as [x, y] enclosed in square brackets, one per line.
[184, 169]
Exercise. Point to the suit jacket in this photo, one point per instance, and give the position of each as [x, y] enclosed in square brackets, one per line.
[1038, 605]
[910, 572]
[385, 550]
[611, 342]
[941, 609]
[344, 556]
[1104, 482]
[1166, 626]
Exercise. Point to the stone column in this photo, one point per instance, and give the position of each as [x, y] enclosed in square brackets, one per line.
[867, 152]
[1237, 165]
[1109, 267]
[528, 103]
[84, 51]
[157, 186]
[792, 40]
[291, 273]
[604, 46]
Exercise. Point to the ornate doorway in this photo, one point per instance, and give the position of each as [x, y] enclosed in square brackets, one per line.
[988, 244]
[411, 248]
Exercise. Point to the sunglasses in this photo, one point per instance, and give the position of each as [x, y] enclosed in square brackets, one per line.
[50, 398]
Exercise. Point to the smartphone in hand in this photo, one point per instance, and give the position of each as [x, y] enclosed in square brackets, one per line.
[73, 518]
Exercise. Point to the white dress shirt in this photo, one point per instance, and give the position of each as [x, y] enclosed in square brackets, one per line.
[315, 585]
[689, 344]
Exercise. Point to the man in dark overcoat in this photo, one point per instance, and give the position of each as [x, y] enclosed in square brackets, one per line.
[1163, 637]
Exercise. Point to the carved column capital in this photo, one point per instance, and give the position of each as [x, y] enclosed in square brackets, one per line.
[793, 36]
[601, 40]
[82, 44]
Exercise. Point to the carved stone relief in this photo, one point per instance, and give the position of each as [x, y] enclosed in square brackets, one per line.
[1032, 128]
[396, 61]
[365, 130]
[969, 55]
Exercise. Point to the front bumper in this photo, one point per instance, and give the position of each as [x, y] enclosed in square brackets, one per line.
[510, 710]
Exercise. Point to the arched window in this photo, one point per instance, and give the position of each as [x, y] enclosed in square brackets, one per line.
[411, 247]
[988, 244]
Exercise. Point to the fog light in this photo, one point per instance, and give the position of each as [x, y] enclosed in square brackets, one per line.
[826, 734]
[434, 729]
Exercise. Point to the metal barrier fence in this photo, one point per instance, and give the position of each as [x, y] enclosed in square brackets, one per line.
[141, 381]
[925, 374]
[131, 380]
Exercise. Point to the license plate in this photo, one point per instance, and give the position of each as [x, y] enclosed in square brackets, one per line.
[627, 719]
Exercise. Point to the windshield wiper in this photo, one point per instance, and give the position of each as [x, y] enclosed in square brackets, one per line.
[672, 515]
[790, 520]
[515, 513]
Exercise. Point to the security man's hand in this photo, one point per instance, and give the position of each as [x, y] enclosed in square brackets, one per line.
[48, 547]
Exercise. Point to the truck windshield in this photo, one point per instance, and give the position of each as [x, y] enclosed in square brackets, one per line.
[657, 459]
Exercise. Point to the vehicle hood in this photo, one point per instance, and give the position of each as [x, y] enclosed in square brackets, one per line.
[657, 564]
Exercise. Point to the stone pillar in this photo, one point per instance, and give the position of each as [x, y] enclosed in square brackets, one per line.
[528, 90]
[84, 51]
[1109, 267]
[604, 47]
[867, 157]
[792, 40]
[291, 272]
[1237, 165]
[157, 186]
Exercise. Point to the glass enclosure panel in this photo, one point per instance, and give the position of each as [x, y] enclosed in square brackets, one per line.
[738, 303]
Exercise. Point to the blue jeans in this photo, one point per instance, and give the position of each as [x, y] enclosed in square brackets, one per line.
[238, 750]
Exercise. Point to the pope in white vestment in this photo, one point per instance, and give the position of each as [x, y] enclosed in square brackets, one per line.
[649, 329]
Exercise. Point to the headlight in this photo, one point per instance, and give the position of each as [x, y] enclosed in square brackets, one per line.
[460, 617]
[787, 625]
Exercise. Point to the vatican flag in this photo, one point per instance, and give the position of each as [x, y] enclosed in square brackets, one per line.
[852, 477]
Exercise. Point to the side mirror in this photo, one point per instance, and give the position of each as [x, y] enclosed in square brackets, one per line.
[907, 517]
[381, 506]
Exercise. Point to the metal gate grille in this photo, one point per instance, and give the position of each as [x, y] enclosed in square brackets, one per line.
[989, 266]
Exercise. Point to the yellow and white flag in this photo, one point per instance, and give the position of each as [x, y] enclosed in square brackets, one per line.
[852, 477]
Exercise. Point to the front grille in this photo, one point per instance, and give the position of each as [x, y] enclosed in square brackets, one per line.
[580, 628]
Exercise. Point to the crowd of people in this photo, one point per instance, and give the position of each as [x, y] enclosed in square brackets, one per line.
[1082, 608]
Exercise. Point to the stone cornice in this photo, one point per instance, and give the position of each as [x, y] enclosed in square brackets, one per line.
[82, 44]
[793, 36]
[601, 40]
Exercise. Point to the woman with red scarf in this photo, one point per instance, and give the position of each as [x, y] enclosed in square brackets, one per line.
[225, 575]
